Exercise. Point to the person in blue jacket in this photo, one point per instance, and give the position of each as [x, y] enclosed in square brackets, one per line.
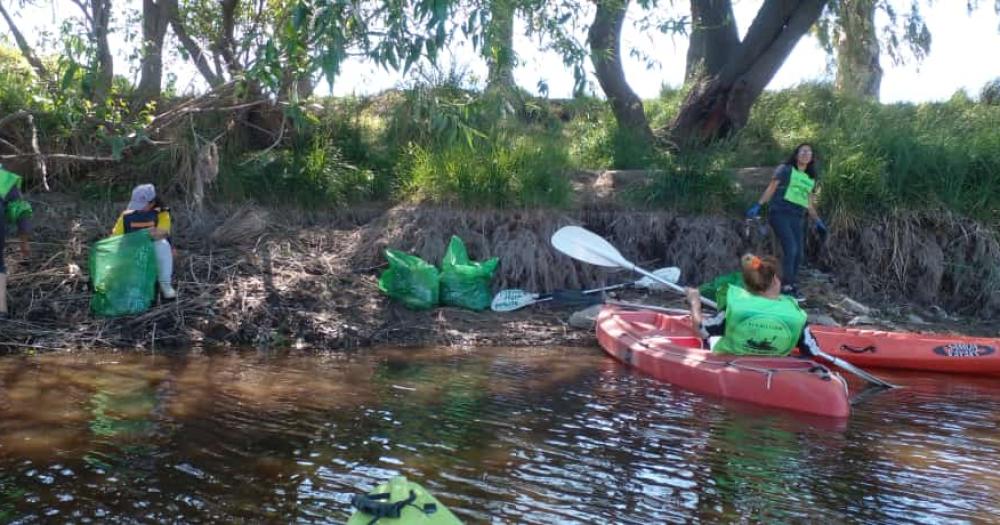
[792, 194]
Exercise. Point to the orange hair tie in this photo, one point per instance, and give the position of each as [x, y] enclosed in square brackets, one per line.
[755, 262]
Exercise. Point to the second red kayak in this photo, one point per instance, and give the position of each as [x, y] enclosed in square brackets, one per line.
[666, 348]
[954, 354]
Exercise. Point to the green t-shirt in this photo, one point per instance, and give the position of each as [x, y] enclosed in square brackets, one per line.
[800, 185]
[758, 325]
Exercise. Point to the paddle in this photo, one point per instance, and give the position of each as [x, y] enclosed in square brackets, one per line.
[587, 246]
[515, 299]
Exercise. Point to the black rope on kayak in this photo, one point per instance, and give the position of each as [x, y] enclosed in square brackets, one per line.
[372, 504]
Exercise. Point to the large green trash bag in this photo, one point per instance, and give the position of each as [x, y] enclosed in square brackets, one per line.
[123, 273]
[465, 283]
[410, 280]
[717, 288]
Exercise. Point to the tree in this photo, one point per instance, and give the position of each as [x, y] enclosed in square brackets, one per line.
[22, 44]
[848, 32]
[858, 70]
[498, 46]
[604, 38]
[155, 19]
[714, 38]
[97, 17]
[720, 105]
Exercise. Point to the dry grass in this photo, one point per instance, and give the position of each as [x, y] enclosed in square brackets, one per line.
[249, 276]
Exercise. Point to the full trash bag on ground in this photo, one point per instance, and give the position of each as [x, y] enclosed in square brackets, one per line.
[123, 274]
[410, 280]
[465, 283]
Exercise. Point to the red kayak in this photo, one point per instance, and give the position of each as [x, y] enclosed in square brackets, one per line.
[666, 348]
[910, 350]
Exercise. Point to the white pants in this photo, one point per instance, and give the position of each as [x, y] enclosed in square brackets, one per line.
[164, 260]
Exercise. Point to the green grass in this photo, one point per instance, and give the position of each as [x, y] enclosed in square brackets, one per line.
[447, 143]
[524, 172]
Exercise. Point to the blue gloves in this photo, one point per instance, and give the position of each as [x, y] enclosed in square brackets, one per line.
[821, 227]
[754, 211]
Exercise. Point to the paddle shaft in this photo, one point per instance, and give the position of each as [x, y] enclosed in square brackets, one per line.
[838, 362]
[550, 297]
[672, 286]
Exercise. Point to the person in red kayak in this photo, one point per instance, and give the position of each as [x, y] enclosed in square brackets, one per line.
[757, 319]
[791, 193]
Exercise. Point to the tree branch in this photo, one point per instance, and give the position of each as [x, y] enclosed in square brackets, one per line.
[23, 45]
[193, 49]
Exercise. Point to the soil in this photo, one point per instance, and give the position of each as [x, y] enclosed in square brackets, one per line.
[288, 278]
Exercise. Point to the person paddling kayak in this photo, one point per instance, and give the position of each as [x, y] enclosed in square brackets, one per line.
[793, 188]
[758, 319]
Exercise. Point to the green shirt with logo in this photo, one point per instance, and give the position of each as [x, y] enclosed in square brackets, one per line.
[758, 325]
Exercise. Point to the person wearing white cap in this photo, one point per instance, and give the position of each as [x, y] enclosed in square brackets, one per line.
[146, 212]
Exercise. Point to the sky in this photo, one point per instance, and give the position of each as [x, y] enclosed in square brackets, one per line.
[964, 54]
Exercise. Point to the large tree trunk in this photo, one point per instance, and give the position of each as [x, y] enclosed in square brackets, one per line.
[714, 38]
[104, 70]
[721, 105]
[604, 38]
[155, 18]
[858, 70]
[498, 48]
[191, 47]
[225, 46]
[23, 45]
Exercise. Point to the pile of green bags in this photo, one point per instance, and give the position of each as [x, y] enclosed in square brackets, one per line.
[419, 285]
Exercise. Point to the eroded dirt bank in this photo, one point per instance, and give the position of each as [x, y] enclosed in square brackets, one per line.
[249, 276]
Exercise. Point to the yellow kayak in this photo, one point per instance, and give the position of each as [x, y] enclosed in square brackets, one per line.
[400, 502]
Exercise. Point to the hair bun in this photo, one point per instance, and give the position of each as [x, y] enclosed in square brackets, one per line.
[751, 261]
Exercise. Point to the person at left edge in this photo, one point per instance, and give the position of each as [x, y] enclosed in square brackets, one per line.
[15, 209]
[145, 211]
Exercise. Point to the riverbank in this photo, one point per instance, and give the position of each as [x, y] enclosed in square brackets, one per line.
[285, 278]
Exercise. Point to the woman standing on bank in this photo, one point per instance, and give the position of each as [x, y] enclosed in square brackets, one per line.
[792, 193]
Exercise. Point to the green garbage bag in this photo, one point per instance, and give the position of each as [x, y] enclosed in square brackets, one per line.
[17, 210]
[410, 280]
[123, 274]
[465, 283]
[716, 289]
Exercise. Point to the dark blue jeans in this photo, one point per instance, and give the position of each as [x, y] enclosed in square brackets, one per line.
[791, 231]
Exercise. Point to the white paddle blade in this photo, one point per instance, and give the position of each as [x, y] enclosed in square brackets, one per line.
[671, 274]
[587, 246]
[510, 300]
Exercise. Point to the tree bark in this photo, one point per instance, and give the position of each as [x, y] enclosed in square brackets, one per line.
[155, 18]
[721, 105]
[858, 70]
[714, 38]
[498, 48]
[23, 45]
[192, 48]
[604, 38]
[105, 67]
[225, 46]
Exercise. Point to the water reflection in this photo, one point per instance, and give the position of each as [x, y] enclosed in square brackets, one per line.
[501, 436]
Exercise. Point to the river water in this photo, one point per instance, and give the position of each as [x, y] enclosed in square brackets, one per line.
[498, 435]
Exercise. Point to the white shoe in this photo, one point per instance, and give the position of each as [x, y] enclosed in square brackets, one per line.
[167, 291]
